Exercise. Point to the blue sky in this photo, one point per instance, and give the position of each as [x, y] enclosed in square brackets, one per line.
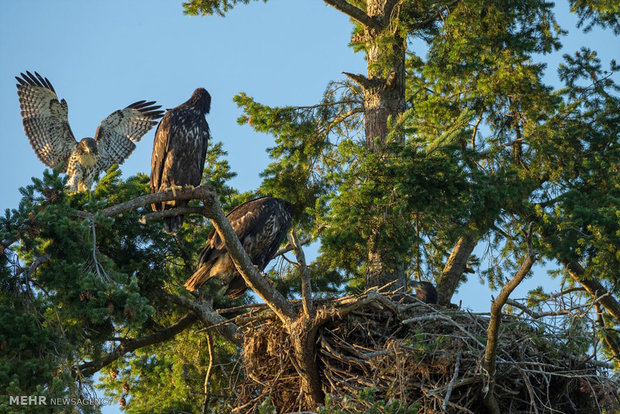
[103, 55]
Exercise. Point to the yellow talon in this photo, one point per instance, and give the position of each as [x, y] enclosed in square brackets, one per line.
[174, 189]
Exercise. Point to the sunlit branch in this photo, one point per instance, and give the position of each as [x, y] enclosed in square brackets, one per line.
[354, 12]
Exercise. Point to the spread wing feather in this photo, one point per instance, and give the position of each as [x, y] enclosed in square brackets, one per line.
[45, 119]
[117, 133]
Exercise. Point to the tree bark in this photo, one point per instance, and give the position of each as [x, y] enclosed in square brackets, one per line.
[89, 368]
[303, 336]
[594, 288]
[384, 99]
[490, 354]
[449, 279]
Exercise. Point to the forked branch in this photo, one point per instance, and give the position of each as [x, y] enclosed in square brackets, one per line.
[490, 354]
[239, 256]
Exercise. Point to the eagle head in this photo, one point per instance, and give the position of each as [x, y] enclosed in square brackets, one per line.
[87, 152]
[201, 100]
[425, 291]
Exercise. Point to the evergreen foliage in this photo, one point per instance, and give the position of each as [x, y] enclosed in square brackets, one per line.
[482, 145]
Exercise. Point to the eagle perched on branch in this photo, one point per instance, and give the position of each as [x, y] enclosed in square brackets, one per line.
[261, 225]
[179, 152]
[47, 127]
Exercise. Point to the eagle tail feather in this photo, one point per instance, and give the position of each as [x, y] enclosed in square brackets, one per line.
[199, 278]
[173, 224]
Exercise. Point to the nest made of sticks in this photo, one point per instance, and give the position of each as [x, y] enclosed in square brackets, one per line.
[422, 354]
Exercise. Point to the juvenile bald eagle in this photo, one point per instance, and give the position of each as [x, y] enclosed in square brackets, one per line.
[47, 127]
[261, 225]
[179, 152]
[425, 291]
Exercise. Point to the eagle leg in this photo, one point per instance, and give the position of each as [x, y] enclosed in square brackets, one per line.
[174, 189]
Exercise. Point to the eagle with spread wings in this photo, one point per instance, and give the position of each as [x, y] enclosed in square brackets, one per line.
[179, 152]
[261, 225]
[46, 124]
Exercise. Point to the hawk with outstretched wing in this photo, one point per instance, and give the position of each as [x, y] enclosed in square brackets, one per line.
[47, 127]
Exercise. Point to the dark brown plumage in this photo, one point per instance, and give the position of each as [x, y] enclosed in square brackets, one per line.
[179, 151]
[425, 291]
[261, 225]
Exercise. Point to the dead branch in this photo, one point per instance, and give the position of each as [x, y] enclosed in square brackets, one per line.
[457, 365]
[89, 368]
[244, 265]
[179, 211]
[204, 192]
[365, 342]
[205, 404]
[306, 289]
[208, 316]
[289, 247]
[240, 258]
[490, 355]
[593, 286]
[35, 264]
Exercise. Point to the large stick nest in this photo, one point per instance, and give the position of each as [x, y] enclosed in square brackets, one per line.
[418, 353]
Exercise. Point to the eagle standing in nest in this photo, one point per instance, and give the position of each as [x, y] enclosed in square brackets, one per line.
[261, 225]
[425, 291]
[179, 152]
[46, 124]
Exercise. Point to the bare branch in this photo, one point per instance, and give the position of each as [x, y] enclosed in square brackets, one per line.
[490, 354]
[306, 288]
[179, 211]
[244, 265]
[355, 13]
[242, 307]
[536, 315]
[205, 404]
[209, 317]
[289, 247]
[204, 192]
[239, 256]
[35, 264]
[607, 335]
[388, 9]
[89, 368]
[593, 286]
[361, 80]
[457, 365]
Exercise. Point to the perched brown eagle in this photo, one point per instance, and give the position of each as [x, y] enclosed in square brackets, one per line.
[47, 127]
[179, 152]
[261, 225]
[425, 291]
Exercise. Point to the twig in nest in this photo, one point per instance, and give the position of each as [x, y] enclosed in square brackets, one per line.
[457, 365]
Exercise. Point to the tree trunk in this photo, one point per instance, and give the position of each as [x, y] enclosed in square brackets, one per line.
[384, 98]
[303, 336]
[449, 279]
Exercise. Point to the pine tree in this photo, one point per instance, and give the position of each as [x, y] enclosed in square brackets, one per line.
[450, 140]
